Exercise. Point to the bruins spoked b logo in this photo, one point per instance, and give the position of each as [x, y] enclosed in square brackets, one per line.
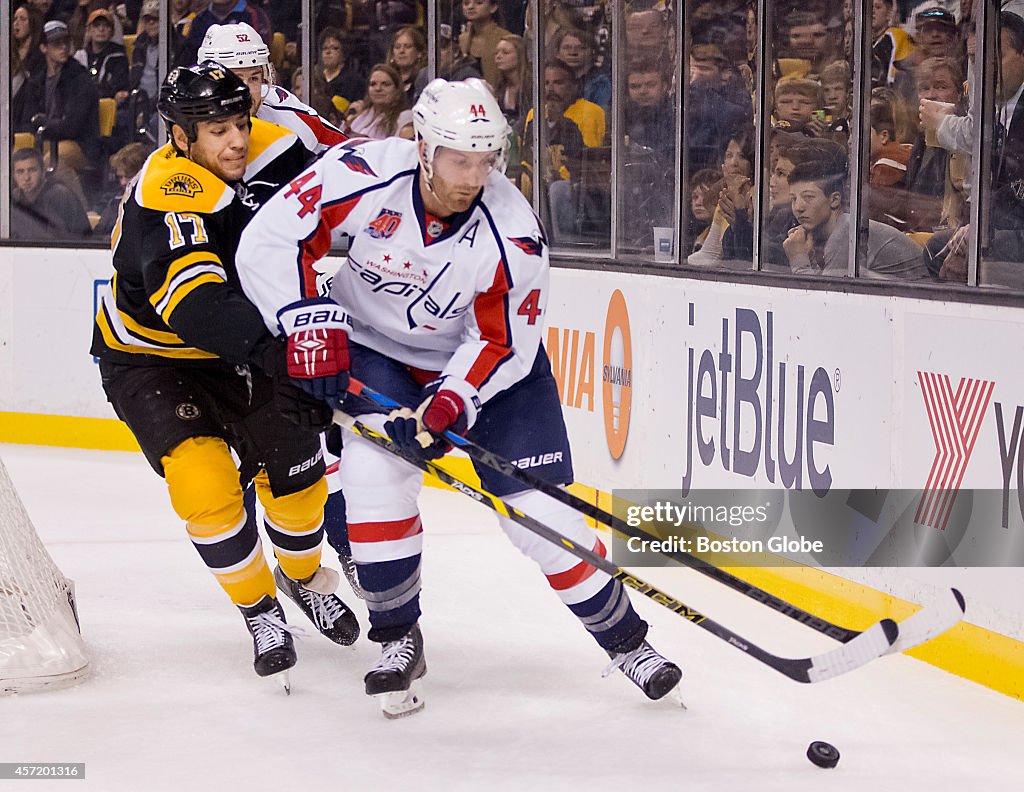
[187, 411]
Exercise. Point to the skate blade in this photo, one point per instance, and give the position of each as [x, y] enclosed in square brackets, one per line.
[281, 678]
[676, 696]
[401, 703]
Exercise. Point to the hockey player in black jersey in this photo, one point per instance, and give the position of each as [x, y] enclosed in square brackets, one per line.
[189, 365]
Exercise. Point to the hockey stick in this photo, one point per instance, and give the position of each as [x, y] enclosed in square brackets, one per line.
[930, 621]
[868, 645]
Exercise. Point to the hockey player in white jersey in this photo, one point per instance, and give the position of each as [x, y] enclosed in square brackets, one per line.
[239, 47]
[439, 305]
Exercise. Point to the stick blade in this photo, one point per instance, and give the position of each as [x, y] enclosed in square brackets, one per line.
[874, 642]
[931, 621]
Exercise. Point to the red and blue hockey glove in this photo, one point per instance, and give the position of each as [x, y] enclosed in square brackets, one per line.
[317, 355]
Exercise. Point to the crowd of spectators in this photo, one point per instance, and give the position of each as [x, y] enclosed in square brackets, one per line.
[84, 77]
[917, 192]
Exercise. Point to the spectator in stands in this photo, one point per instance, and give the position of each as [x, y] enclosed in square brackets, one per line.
[106, 61]
[63, 102]
[946, 252]
[573, 47]
[891, 45]
[562, 98]
[26, 58]
[408, 55]
[290, 61]
[714, 111]
[649, 36]
[50, 10]
[936, 32]
[222, 12]
[836, 83]
[482, 35]
[789, 152]
[180, 17]
[906, 123]
[42, 207]
[809, 40]
[555, 16]
[451, 63]
[143, 74]
[888, 158]
[650, 113]
[146, 53]
[124, 164]
[799, 106]
[513, 87]
[78, 23]
[706, 64]
[384, 112]
[705, 185]
[730, 237]
[820, 244]
[333, 88]
[938, 80]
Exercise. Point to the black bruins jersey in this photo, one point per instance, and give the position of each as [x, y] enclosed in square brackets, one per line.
[175, 297]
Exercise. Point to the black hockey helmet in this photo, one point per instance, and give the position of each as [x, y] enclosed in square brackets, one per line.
[204, 92]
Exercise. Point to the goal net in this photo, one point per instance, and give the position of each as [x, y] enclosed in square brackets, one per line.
[40, 643]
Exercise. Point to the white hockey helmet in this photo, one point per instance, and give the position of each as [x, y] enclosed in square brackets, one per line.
[236, 46]
[463, 116]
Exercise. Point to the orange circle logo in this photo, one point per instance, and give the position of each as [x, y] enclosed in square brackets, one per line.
[617, 374]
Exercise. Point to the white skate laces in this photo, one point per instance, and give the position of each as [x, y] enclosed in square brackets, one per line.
[396, 655]
[325, 608]
[648, 670]
[639, 665]
[268, 631]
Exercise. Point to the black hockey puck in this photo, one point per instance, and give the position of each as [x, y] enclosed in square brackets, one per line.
[823, 754]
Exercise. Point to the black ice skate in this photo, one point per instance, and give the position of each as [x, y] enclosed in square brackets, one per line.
[646, 669]
[348, 566]
[394, 681]
[316, 597]
[272, 644]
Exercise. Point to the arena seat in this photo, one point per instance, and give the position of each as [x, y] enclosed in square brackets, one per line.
[129, 47]
[108, 113]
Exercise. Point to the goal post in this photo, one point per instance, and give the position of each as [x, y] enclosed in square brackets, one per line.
[40, 642]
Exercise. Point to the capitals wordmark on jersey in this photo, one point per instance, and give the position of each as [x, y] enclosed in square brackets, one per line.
[466, 302]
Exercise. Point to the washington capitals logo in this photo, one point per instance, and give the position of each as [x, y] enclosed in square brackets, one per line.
[529, 245]
[351, 159]
[182, 184]
[281, 94]
[385, 224]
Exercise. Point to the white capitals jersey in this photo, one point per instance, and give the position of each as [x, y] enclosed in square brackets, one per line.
[464, 296]
[285, 108]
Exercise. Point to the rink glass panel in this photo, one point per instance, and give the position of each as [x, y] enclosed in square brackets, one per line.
[648, 179]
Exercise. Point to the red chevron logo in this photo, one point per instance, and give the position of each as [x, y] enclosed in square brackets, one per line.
[955, 419]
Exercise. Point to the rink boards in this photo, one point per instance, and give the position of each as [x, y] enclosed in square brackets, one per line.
[676, 384]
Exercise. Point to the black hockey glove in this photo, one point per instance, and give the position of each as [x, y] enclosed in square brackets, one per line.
[292, 402]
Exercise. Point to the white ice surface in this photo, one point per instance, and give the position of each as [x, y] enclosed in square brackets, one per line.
[515, 698]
